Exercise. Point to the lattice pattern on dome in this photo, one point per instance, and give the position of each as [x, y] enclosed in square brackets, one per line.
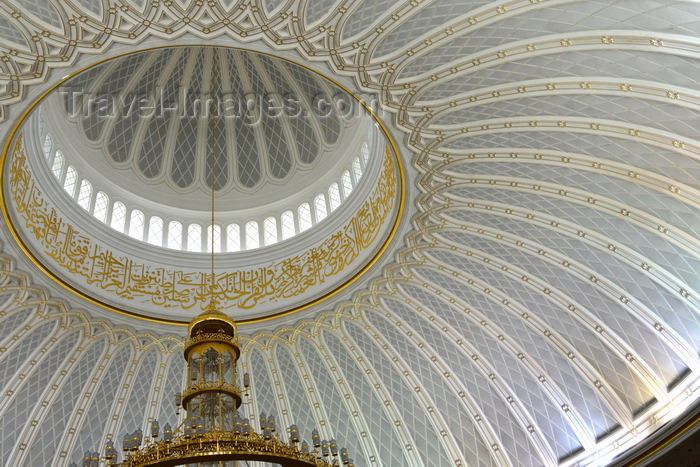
[48, 436]
[510, 432]
[13, 359]
[184, 156]
[249, 170]
[149, 113]
[93, 119]
[339, 417]
[221, 160]
[151, 162]
[455, 411]
[152, 152]
[621, 378]
[441, 71]
[139, 394]
[172, 384]
[559, 434]
[603, 307]
[44, 11]
[9, 32]
[389, 446]
[425, 438]
[553, 360]
[93, 7]
[263, 390]
[277, 149]
[100, 408]
[296, 392]
[16, 415]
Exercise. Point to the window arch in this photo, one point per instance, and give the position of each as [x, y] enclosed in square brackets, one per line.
[175, 235]
[100, 209]
[70, 181]
[233, 237]
[136, 224]
[47, 145]
[364, 151]
[155, 231]
[194, 237]
[347, 184]
[334, 196]
[356, 170]
[118, 216]
[252, 235]
[57, 165]
[216, 235]
[304, 217]
[320, 207]
[270, 231]
[84, 194]
[287, 219]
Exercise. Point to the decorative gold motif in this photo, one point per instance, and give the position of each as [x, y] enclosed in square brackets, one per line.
[129, 279]
[217, 445]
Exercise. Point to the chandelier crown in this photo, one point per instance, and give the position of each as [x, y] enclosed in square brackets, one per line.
[212, 320]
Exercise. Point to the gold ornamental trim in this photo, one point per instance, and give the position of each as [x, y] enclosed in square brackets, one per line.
[218, 341]
[210, 386]
[216, 446]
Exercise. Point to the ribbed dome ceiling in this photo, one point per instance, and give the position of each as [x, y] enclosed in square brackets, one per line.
[541, 308]
[167, 136]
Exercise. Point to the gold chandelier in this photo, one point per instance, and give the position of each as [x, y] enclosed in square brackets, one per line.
[214, 433]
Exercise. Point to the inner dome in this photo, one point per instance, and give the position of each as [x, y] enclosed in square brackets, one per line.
[306, 184]
[139, 129]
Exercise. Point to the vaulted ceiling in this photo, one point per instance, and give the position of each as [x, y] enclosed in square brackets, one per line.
[539, 305]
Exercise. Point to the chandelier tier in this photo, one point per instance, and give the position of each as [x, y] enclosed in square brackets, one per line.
[214, 431]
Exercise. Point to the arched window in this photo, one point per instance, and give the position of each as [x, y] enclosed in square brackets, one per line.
[347, 184]
[136, 224]
[216, 236]
[252, 235]
[356, 169]
[57, 165]
[118, 216]
[270, 231]
[304, 217]
[155, 231]
[175, 235]
[70, 181]
[100, 209]
[334, 196]
[84, 194]
[194, 237]
[47, 146]
[287, 225]
[233, 238]
[365, 153]
[320, 207]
